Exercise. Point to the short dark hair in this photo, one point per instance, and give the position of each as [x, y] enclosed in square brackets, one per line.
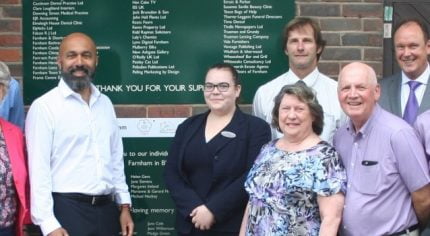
[306, 95]
[417, 21]
[300, 22]
[228, 67]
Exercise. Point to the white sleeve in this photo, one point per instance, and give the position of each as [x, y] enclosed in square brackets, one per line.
[257, 109]
[39, 138]
[122, 195]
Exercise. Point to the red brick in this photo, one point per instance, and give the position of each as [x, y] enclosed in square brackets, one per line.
[330, 69]
[373, 25]
[4, 2]
[373, 54]
[133, 111]
[10, 40]
[169, 111]
[363, 10]
[10, 25]
[12, 11]
[10, 55]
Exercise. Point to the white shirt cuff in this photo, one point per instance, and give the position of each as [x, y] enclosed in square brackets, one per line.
[123, 198]
[49, 225]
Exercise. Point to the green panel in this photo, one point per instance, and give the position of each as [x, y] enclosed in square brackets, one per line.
[157, 52]
[153, 209]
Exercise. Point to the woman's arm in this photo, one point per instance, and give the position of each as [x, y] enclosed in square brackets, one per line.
[331, 208]
[244, 221]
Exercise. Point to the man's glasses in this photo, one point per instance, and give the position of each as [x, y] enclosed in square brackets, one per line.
[222, 87]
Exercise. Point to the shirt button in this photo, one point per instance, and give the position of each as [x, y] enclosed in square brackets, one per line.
[216, 157]
[352, 164]
[349, 185]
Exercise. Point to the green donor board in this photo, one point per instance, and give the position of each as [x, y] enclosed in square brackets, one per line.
[157, 51]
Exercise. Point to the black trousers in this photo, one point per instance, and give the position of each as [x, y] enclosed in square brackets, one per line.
[83, 219]
[9, 231]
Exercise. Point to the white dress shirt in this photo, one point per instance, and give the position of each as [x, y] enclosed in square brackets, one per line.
[419, 91]
[326, 93]
[72, 147]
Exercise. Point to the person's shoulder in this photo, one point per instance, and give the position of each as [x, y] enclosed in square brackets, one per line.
[423, 119]
[105, 98]
[327, 84]
[274, 83]
[390, 123]
[48, 97]
[327, 79]
[390, 79]
[255, 120]
[8, 125]
[192, 119]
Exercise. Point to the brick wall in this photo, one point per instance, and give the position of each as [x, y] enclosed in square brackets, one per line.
[353, 30]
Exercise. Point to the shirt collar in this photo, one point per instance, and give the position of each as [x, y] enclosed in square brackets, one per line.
[309, 80]
[367, 127]
[66, 91]
[423, 78]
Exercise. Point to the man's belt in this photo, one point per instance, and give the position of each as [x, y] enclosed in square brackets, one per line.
[94, 200]
[408, 230]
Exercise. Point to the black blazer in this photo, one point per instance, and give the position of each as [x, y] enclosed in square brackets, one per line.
[225, 195]
[390, 95]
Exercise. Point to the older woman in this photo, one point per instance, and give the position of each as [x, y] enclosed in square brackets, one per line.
[210, 157]
[296, 184]
[11, 103]
[14, 189]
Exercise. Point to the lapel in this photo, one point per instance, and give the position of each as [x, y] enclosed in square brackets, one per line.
[191, 130]
[12, 147]
[234, 127]
[16, 158]
[394, 92]
[425, 102]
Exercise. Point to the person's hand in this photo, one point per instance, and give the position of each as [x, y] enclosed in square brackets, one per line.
[202, 218]
[127, 225]
[59, 232]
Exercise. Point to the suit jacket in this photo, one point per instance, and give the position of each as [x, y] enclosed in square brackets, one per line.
[225, 195]
[15, 147]
[390, 95]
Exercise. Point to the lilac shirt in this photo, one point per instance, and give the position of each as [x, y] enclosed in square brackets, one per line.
[422, 126]
[384, 163]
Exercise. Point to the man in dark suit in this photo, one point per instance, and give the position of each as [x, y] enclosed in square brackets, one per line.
[406, 93]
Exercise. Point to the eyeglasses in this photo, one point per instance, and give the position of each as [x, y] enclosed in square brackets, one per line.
[222, 87]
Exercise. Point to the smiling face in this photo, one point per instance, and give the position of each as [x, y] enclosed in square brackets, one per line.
[302, 49]
[77, 60]
[411, 49]
[217, 101]
[358, 92]
[295, 118]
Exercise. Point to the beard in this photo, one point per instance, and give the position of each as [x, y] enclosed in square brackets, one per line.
[75, 83]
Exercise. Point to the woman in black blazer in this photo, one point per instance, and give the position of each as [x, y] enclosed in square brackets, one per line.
[210, 157]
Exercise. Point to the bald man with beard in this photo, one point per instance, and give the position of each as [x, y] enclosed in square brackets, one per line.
[75, 152]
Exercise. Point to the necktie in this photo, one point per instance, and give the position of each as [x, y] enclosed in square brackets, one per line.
[411, 109]
[300, 82]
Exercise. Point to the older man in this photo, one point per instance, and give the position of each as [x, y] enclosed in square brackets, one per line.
[75, 152]
[388, 176]
[303, 44]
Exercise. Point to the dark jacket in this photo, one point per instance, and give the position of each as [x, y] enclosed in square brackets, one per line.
[225, 195]
[390, 95]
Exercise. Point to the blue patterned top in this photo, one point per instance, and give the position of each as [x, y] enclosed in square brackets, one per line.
[283, 188]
